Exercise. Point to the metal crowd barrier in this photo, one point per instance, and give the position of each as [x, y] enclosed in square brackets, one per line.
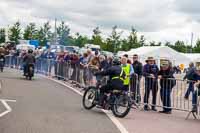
[139, 87]
[83, 77]
[13, 61]
[158, 95]
[63, 70]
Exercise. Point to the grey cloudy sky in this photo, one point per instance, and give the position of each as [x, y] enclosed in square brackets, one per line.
[160, 20]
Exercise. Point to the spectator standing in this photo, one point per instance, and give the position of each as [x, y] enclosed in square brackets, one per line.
[60, 62]
[135, 80]
[49, 58]
[167, 82]
[83, 66]
[196, 90]
[150, 72]
[74, 65]
[128, 69]
[189, 76]
[94, 65]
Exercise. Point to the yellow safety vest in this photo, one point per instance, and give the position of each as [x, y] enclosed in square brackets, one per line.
[119, 77]
[127, 70]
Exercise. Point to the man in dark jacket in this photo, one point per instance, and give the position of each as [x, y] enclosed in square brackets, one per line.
[150, 72]
[48, 61]
[189, 76]
[116, 76]
[167, 82]
[135, 79]
[197, 89]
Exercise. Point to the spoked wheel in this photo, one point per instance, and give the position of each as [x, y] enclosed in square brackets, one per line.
[89, 98]
[121, 106]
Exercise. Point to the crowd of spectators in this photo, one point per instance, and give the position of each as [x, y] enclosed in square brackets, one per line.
[81, 68]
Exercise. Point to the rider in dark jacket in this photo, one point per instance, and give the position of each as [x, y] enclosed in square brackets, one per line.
[2, 61]
[29, 58]
[116, 76]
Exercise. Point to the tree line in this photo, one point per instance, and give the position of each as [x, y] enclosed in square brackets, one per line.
[113, 43]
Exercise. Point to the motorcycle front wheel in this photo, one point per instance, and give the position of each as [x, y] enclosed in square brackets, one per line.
[89, 98]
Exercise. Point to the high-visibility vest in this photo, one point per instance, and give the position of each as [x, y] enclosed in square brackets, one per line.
[120, 76]
[127, 70]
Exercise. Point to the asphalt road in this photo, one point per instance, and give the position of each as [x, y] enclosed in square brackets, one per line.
[43, 106]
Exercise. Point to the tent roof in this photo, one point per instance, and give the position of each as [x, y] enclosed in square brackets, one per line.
[160, 52]
[192, 56]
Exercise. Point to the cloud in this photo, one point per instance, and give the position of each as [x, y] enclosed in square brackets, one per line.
[156, 19]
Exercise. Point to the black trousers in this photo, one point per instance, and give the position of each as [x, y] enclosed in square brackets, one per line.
[148, 88]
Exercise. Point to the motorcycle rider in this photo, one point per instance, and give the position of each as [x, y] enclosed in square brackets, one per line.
[116, 78]
[29, 58]
[2, 61]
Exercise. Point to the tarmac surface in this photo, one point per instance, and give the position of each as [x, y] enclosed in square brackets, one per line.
[43, 106]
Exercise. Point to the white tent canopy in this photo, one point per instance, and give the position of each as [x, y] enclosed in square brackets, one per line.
[159, 52]
[193, 56]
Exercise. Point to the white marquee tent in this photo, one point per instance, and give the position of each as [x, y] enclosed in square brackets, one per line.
[159, 52]
[195, 57]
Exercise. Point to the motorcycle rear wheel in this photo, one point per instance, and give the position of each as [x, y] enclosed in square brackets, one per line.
[121, 101]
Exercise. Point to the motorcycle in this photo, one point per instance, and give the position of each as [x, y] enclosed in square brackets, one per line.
[2, 63]
[118, 101]
[29, 71]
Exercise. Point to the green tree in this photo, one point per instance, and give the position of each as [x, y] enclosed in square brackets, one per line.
[80, 40]
[44, 34]
[97, 39]
[167, 43]
[142, 41]
[15, 33]
[125, 45]
[133, 39]
[113, 42]
[63, 34]
[197, 47]
[180, 46]
[153, 43]
[2, 35]
[30, 32]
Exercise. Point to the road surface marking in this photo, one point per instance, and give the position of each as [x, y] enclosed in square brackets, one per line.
[8, 108]
[121, 128]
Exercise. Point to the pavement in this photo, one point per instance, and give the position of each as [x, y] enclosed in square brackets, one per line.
[44, 106]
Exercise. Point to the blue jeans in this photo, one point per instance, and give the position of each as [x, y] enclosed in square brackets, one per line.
[165, 95]
[190, 89]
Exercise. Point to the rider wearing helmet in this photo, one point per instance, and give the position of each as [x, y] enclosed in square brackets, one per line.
[29, 58]
[116, 78]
